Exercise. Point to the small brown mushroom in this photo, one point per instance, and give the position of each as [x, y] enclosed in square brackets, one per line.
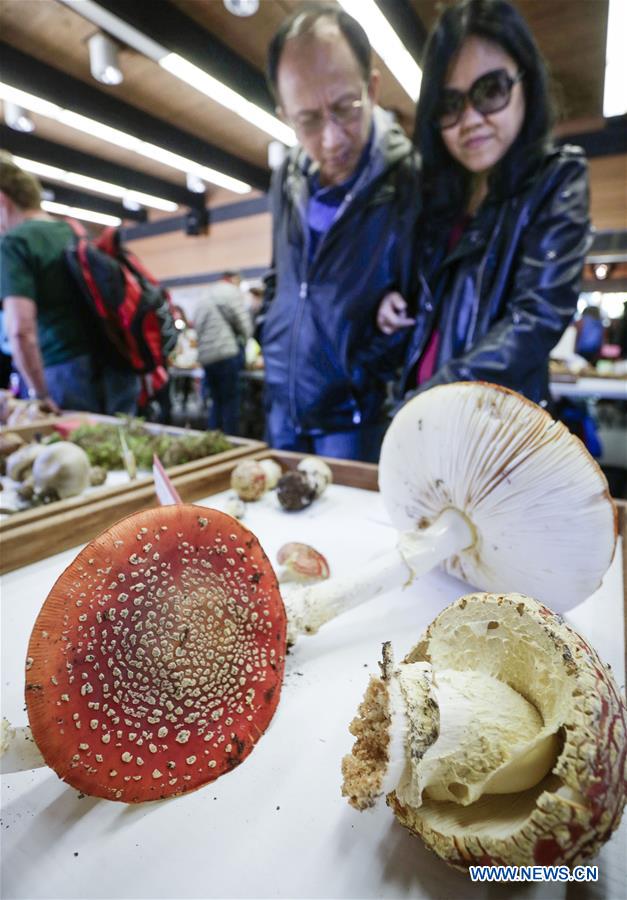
[155, 664]
[295, 492]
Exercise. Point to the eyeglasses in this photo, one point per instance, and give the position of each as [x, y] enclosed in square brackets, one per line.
[488, 94]
[342, 114]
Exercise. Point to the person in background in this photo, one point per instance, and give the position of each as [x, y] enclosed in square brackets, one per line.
[54, 339]
[6, 366]
[504, 227]
[590, 334]
[344, 205]
[184, 356]
[223, 325]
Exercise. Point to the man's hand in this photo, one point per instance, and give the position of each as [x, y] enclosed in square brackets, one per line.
[392, 314]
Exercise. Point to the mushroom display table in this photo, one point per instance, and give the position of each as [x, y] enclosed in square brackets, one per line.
[277, 826]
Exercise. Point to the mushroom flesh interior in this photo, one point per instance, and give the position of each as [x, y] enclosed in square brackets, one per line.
[488, 738]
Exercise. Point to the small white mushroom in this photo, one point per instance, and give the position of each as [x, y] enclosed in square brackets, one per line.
[317, 472]
[500, 736]
[234, 506]
[248, 480]
[273, 472]
[304, 563]
[20, 462]
[63, 467]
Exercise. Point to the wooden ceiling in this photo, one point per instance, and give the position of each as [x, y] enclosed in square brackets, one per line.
[571, 34]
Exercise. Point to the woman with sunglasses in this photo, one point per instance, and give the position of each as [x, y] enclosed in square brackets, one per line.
[505, 225]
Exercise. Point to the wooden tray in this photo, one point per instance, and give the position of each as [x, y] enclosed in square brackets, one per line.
[44, 530]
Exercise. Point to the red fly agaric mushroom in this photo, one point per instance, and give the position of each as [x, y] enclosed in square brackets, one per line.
[486, 483]
[501, 738]
[156, 662]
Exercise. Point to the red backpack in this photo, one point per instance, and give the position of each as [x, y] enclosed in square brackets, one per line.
[134, 311]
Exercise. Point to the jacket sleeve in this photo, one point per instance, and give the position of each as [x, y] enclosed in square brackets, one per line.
[544, 291]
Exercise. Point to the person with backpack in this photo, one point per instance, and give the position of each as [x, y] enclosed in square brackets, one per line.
[223, 325]
[55, 338]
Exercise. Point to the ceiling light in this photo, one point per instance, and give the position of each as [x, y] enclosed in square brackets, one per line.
[195, 184]
[103, 59]
[614, 94]
[242, 8]
[17, 118]
[73, 212]
[602, 271]
[43, 170]
[225, 96]
[122, 139]
[183, 69]
[387, 44]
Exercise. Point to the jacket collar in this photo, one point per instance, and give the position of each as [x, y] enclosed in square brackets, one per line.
[389, 144]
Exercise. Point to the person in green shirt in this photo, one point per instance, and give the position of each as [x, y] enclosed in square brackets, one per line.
[55, 340]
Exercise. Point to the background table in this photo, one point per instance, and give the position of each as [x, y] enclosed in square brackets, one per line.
[277, 826]
[600, 388]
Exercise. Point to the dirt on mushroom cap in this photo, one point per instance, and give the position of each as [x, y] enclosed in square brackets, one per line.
[157, 659]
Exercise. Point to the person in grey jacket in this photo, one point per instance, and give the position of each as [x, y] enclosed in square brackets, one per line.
[344, 204]
[223, 325]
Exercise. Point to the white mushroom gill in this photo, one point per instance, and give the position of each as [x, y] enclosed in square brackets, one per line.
[491, 740]
[537, 501]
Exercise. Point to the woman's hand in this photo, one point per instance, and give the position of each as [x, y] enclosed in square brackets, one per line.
[392, 314]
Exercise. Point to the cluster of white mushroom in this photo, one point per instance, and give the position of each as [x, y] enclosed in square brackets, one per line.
[50, 471]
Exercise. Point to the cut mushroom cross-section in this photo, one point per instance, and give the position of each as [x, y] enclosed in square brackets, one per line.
[501, 738]
[484, 482]
[156, 662]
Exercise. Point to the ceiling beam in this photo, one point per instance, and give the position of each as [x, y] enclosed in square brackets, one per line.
[82, 200]
[35, 77]
[44, 151]
[167, 25]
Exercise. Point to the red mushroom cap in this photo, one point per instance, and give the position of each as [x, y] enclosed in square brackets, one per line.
[156, 662]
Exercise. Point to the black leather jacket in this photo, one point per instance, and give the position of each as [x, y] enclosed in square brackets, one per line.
[502, 298]
[324, 358]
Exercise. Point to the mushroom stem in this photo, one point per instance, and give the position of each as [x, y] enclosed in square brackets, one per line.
[417, 553]
[18, 750]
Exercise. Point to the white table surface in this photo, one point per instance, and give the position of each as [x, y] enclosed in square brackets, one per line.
[601, 388]
[276, 826]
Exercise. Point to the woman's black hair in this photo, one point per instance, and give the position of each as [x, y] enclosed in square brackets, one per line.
[446, 181]
[302, 21]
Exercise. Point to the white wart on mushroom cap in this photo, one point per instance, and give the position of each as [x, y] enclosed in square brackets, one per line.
[156, 662]
[538, 504]
[522, 648]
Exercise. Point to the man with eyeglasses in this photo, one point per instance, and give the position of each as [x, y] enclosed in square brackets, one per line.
[344, 205]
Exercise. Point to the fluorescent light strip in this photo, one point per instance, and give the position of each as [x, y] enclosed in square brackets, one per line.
[184, 70]
[60, 209]
[43, 170]
[615, 92]
[220, 93]
[121, 139]
[387, 43]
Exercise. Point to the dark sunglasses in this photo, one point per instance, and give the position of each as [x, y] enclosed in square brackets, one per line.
[488, 94]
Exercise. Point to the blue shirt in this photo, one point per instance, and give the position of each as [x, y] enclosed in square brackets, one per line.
[324, 202]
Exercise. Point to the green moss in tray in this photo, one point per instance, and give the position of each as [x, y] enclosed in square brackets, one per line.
[101, 443]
